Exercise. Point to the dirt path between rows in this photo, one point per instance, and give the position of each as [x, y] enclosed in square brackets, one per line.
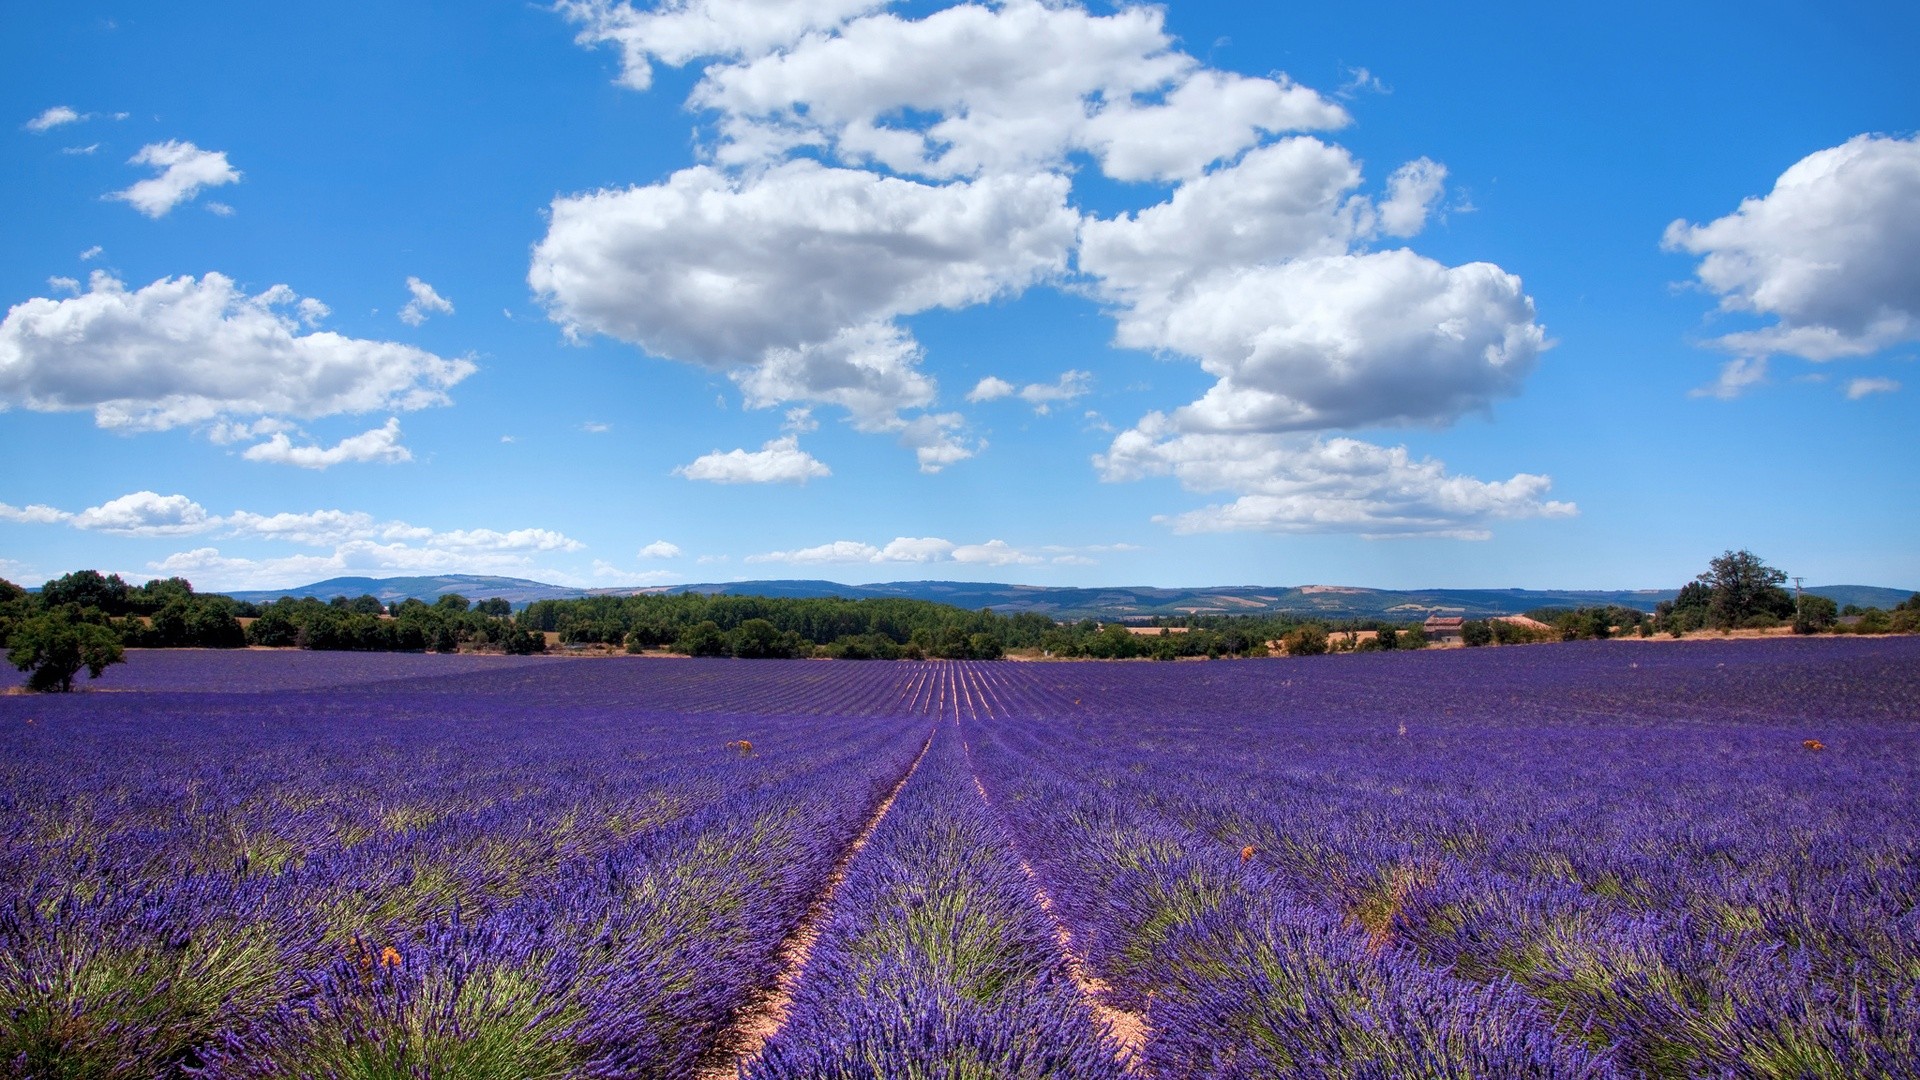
[1128, 1029]
[764, 1014]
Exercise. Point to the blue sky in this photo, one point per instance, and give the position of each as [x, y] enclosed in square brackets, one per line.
[1206, 293]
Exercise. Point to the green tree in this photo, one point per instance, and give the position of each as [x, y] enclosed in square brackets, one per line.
[521, 641]
[1476, 632]
[54, 647]
[86, 589]
[756, 639]
[1816, 613]
[704, 638]
[495, 607]
[1742, 587]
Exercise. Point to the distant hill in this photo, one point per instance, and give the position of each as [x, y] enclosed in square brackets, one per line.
[518, 591]
[1119, 602]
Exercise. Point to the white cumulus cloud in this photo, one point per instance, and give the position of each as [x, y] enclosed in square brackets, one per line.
[780, 461]
[186, 350]
[1869, 386]
[974, 89]
[674, 32]
[719, 269]
[660, 549]
[424, 303]
[53, 118]
[1071, 386]
[1737, 376]
[903, 549]
[185, 170]
[381, 444]
[1411, 192]
[34, 514]
[1308, 484]
[994, 553]
[1831, 254]
[146, 513]
[1345, 341]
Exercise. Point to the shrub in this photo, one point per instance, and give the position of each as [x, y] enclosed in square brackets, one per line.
[1306, 641]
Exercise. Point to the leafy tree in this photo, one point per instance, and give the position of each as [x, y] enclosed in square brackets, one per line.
[1742, 587]
[86, 589]
[495, 607]
[702, 639]
[520, 641]
[1476, 632]
[54, 646]
[1816, 613]
[452, 602]
[756, 639]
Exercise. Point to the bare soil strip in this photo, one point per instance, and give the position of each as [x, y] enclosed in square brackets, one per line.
[1128, 1029]
[763, 1015]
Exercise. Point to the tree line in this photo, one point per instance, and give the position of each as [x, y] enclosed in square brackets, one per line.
[84, 620]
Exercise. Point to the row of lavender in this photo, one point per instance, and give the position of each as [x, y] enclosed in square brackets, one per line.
[414, 878]
[1464, 868]
[938, 962]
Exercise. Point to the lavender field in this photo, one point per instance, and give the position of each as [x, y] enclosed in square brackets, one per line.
[1610, 859]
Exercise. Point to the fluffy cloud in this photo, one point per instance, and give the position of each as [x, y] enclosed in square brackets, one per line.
[146, 513]
[359, 543]
[1736, 377]
[790, 279]
[903, 549]
[1304, 484]
[1260, 271]
[318, 528]
[660, 549]
[993, 553]
[936, 439]
[1856, 389]
[1345, 341]
[719, 269]
[185, 350]
[973, 89]
[185, 170]
[1832, 254]
[676, 31]
[607, 574]
[35, 514]
[1042, 396]
[780, 461]
[425, 303]
[839, 551]
[53, 118]
[1289, 199]
[382, 444]
[872, 371]
[1411, 192]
